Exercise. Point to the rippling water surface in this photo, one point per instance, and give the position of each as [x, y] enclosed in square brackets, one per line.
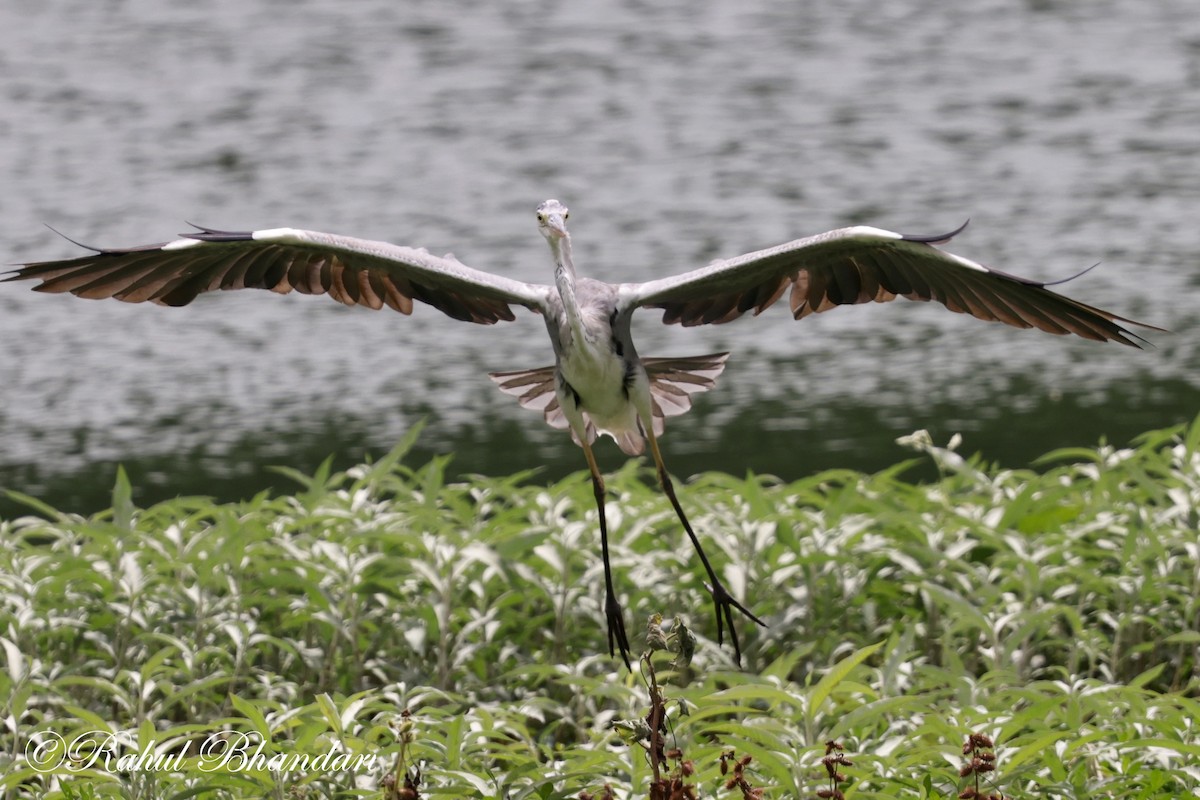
[676, 131]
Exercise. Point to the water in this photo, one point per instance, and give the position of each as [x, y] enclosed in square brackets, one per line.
[676, 131]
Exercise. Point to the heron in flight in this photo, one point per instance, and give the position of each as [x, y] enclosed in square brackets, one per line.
[598, 383]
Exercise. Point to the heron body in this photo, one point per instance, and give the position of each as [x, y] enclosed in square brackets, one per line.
[595, 378]
[598, 383]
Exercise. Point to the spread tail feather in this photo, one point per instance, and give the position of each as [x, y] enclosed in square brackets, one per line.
[673, 381]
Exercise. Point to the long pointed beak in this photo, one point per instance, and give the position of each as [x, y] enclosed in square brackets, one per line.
[557, 224]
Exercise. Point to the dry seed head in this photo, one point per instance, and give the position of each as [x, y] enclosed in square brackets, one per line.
[656, 638]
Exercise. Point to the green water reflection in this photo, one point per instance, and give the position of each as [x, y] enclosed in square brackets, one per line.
[846, 434]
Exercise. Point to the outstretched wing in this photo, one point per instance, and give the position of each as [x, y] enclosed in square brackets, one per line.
[351, 271]
[862, 265]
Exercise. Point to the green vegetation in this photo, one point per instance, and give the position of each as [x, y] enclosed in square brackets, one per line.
[453, 634]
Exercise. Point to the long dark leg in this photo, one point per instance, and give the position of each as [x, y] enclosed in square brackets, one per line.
[612, 608]
[723, 602]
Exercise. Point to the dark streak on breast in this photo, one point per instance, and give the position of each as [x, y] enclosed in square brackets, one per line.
[571, 390]
[617, 347]
[627, 381]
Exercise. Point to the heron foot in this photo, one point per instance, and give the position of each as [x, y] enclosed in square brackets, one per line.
[724, 604]
[617, 639]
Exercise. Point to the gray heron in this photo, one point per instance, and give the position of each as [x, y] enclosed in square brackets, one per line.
[598, 383]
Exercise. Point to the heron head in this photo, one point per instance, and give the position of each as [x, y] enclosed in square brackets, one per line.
[552, 219]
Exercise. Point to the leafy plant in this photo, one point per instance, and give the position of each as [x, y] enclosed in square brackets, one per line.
[385, 633]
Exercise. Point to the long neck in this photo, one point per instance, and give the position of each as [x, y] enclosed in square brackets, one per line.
[564, 279]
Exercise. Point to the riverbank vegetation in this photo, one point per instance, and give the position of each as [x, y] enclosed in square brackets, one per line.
[991, 633]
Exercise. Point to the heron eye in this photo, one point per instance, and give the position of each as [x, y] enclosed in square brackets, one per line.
[566, 216]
